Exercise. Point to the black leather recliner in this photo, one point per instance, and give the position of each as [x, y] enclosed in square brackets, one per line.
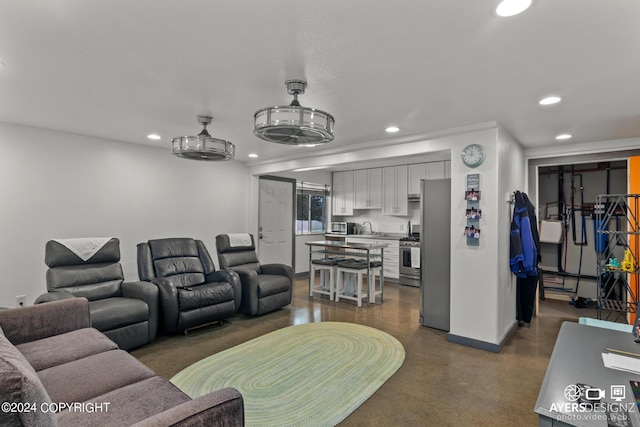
[192, 292]
[265, 287]
[126, 312]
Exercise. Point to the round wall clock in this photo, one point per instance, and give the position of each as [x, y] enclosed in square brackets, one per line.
[473, 155]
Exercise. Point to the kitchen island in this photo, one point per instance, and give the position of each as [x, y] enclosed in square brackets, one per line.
[368, 252]
[391, 253]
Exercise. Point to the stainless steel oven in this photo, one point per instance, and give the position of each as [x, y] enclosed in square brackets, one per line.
[410, 261]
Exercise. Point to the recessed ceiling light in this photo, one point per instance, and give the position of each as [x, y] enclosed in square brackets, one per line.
[252, 155]
[563, 136]
[153, 136]
[307, 145]
[512, 7]
[312, 168]
[392, 129]
[550, 100]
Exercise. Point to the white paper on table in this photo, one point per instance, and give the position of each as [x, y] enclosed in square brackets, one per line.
[621, 363]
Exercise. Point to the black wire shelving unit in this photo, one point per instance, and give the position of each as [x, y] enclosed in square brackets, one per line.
[617, 231]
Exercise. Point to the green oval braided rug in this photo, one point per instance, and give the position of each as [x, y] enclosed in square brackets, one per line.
[313, 374]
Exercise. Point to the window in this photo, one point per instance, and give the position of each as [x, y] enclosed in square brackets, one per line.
[311, 208]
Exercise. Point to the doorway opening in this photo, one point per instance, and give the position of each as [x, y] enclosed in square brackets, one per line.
[276, 207]
[567, 195]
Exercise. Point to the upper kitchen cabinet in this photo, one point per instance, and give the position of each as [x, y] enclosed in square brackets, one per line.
[395, 190]
[435, 170]
[418, 171]
[343, 196]
[368, 188]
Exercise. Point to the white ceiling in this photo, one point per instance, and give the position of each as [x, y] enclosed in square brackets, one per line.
[121, 69]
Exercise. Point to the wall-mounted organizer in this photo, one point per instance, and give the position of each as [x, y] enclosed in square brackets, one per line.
[473, 212]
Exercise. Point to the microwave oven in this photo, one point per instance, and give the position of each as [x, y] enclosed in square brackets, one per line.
[344, 228]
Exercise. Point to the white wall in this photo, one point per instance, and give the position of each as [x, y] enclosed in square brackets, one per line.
[560, 150]
[482, 297]
[473, 283]
[511, 173]
[58, 185]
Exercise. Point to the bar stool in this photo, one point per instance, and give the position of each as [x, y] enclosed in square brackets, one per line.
[376, 267]
[324, 266]
[349, 284]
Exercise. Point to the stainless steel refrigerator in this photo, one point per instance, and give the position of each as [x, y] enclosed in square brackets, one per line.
[435, 250]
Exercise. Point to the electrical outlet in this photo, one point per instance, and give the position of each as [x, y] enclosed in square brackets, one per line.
[21, 300]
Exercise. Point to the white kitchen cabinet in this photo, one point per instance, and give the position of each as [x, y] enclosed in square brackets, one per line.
[358, 241]
[435, 170]
[418, 171]
[390, 254]
[368, 188]
[395, 190]
[342, 193]
[447, 169]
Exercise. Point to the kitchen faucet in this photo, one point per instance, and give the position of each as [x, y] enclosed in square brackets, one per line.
[370, 226]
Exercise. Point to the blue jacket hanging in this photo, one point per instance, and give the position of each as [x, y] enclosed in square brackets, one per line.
[524, 254]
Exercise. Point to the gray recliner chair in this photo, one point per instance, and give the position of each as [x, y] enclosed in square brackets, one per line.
[265, 287]
[192, 292]
[126, 312]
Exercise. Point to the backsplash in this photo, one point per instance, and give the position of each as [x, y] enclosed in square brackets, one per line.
[384, 223]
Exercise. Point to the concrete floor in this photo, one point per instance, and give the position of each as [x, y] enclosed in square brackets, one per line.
[439, 384]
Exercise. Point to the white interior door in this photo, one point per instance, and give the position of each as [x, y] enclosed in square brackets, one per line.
[275, 222]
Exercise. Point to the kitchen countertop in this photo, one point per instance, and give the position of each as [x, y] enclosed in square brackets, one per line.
[334, 244]
[385, 236]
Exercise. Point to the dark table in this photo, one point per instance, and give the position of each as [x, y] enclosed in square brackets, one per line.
[577, 358]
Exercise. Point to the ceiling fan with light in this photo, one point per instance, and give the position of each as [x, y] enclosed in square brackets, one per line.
[203, 146]
[294, 124]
